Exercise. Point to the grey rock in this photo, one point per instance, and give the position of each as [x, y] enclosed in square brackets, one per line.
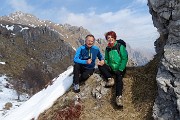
[166, 17]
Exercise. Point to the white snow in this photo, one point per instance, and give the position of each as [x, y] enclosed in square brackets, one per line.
[25, 28]
[7, 94]
[43, 99]
[10, 28]
[74, 48]
[2, 63]
[33, 25]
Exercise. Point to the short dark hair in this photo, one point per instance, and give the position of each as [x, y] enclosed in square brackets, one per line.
[90, 35]
[112, 34]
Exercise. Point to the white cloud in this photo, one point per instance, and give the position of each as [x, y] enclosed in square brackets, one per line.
[131, 23]
[20, 5]
[136, 28]
[141, 1]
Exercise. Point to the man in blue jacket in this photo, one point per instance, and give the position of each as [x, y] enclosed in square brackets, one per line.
[84, 60]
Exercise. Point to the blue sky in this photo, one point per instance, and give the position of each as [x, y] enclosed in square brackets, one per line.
[130, 19]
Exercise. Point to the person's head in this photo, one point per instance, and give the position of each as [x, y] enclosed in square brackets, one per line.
[111, 36]
[89, 40]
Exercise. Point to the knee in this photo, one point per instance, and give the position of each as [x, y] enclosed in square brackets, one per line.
[100, 67]
[85, 76]
[76, 66]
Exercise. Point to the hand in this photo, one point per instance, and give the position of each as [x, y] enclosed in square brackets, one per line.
[101, 63]
[89, 61]
[118, 72]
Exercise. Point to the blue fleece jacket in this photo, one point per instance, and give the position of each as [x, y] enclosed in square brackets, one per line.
[83, 53]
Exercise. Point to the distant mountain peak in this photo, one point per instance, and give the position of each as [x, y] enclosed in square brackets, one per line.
[69, 33]
[18, 13]
[22, 18]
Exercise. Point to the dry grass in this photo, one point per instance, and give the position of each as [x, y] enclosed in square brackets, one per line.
[138, 97]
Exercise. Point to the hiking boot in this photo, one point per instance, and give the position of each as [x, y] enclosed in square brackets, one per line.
[76, 88]
[119, 101]
[110, 82]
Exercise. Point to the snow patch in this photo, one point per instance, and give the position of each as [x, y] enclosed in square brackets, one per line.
[2, 63]
[43, 99]
[9, 95]
[10, 27]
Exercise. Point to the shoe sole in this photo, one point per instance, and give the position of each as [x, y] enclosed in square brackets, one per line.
[119, 107]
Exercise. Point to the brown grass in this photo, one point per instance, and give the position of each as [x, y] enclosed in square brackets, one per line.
[139, 94]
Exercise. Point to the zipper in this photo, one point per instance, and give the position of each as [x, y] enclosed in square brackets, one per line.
[90, 54]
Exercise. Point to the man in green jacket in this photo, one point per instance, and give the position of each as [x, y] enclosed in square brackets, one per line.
[115, 64]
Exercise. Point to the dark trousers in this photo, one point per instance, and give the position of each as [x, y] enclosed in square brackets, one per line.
[107, 72]
[81, 73]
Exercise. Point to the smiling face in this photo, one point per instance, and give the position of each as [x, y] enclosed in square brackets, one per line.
[111, 39]
[89, 41]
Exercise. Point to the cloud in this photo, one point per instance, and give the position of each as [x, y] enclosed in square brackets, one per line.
[132, 23]
[136, 28]
[21, 5]
[141, 1]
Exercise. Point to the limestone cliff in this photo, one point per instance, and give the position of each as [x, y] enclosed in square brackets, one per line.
[166, 18]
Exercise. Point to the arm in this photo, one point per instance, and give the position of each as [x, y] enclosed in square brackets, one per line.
[78, 56]
[106, 57]
[124, 58]
[101, 59]
[99, 55]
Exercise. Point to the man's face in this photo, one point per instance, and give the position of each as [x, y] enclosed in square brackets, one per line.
[89, 41]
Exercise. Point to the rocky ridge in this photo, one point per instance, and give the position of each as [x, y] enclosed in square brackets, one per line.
[67, 32]
[72, 34]
[97, 102]
[33, 54]
[166, 18]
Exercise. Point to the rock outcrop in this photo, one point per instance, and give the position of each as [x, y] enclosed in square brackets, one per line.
[71, 34]
[166, 18]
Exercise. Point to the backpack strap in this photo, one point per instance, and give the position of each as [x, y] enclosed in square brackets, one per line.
[122, 42]
[117, 47]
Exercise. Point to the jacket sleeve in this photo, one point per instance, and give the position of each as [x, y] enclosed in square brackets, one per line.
[99, 55]
[124, 58]
[77, 57]
[106, 57]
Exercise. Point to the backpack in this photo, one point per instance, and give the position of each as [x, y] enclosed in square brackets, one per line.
[119, 43]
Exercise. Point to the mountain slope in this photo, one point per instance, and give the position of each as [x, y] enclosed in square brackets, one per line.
[36, 48]
[42, 100]
[138, 98]
[33, 56]
[71, 34]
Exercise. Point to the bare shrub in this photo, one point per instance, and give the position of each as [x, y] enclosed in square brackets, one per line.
[71, 112]
[34, 78]
[8, 105]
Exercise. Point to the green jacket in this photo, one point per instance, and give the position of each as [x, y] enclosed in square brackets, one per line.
[117, 61]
